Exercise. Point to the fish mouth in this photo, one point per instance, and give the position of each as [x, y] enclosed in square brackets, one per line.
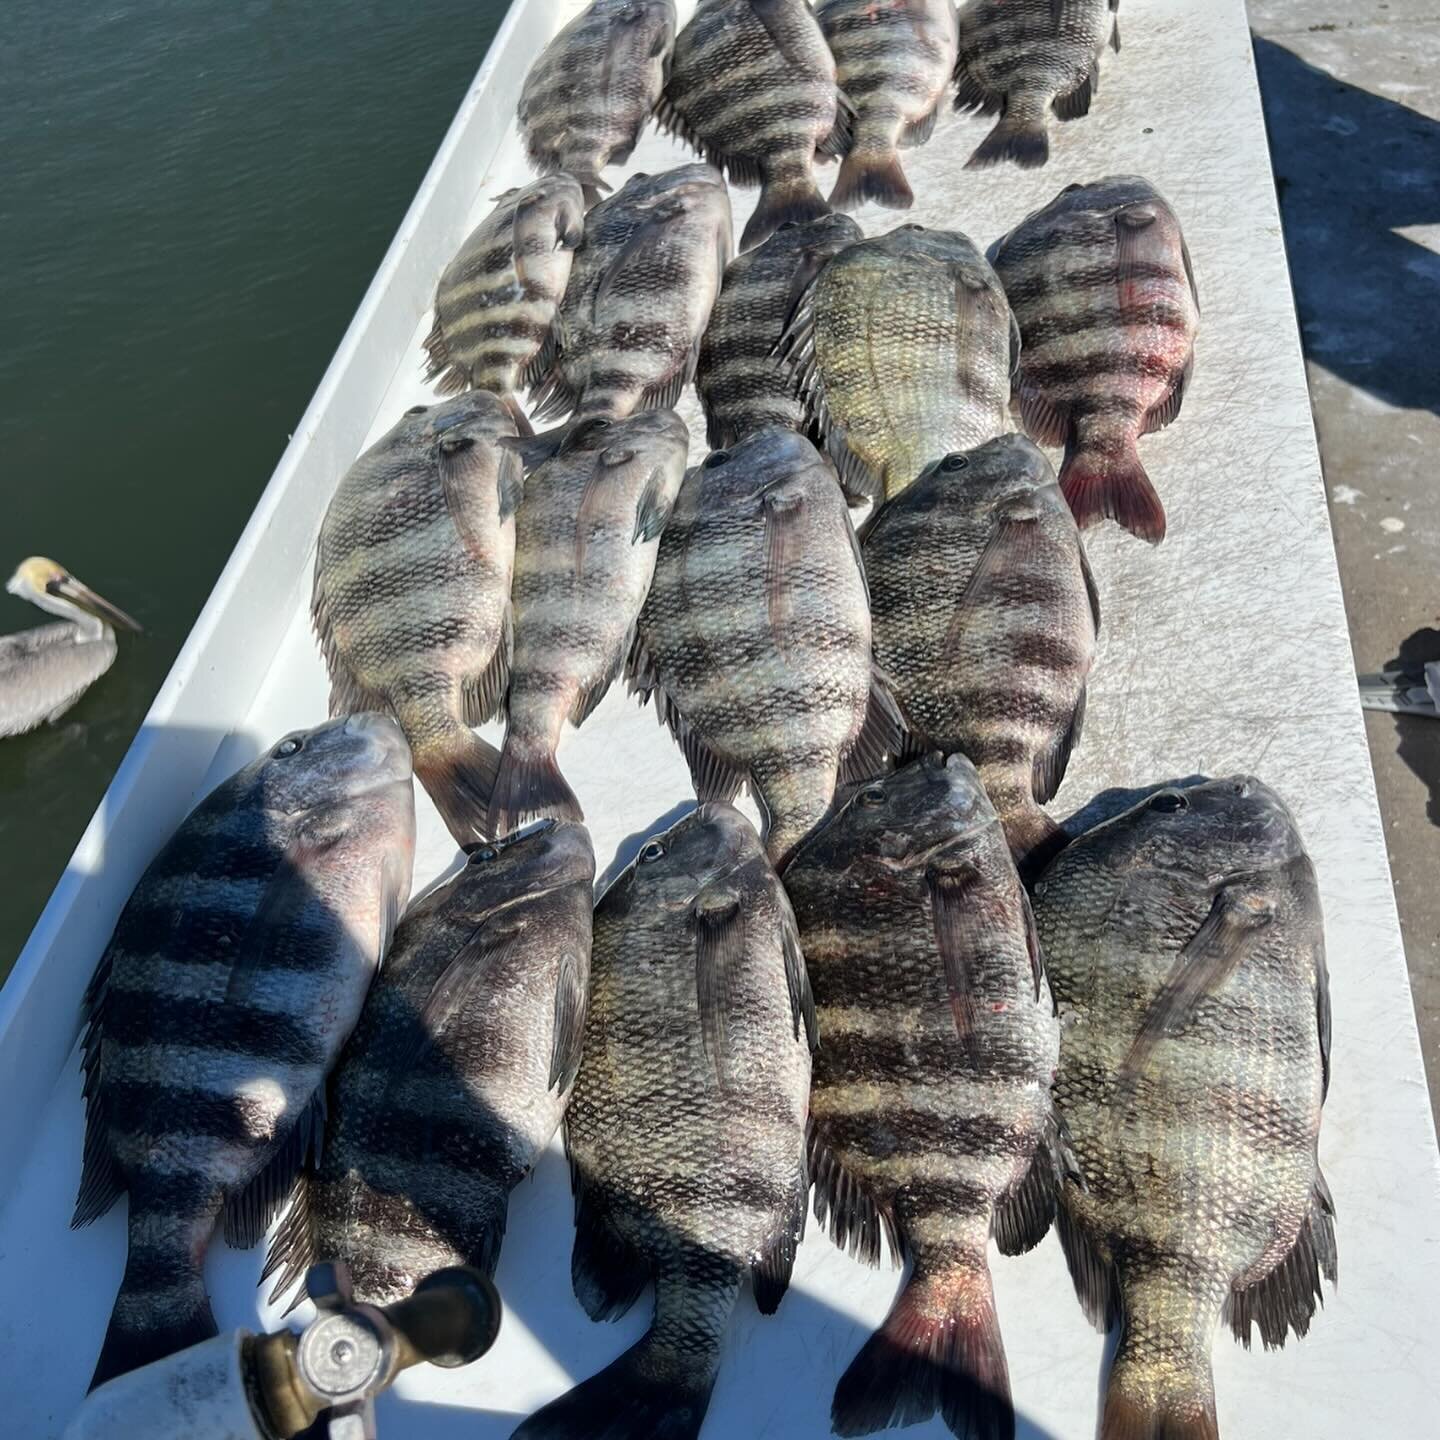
[386, 740]
[953, 845]
[518, 836]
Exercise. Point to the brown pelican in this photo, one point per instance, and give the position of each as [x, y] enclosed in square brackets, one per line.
[44, 671]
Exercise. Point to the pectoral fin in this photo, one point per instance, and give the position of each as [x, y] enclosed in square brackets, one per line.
[719, 950]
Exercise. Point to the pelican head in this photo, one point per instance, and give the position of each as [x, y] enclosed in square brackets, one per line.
[52, 587]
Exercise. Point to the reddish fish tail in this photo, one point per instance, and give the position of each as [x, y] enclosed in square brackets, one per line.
[1113, 487]
[781, 200]
[528, 786]
[1022, 139]
[939, 1350]
[459, 776]
[1178, 1405]
[871, 175]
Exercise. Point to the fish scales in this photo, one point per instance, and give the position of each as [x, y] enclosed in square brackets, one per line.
[640, 294]
[411, 597]
[903, 347]
[458, 1073]
[985, 617]
[497, 299]
[755, 637]
[742, 386]
[752, 88]
[234, 974]
[930, 1114]
[586, 540]
[1022, 59]
[588, 96]
[1185, 945]
[893, 60]
[686, 1130]
[1103, 289]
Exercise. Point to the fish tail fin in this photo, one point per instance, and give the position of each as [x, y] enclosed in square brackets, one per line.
[647, 1394]
[1021, 138]
[592, 188]
[1035, 840]
[938, 1350]
[871, 175]
[162, 1307]
[796, 199]
[459, 776]
[1102, 486]
[529, 785]
[1141, 1405]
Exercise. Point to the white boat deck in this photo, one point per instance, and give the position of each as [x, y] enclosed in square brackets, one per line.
[1223, 650]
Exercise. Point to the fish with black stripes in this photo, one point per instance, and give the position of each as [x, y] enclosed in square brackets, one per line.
[1101, 283]
[755, 638]
[902, 348]
[586, 538]
[686, 1129]
[752, 89]
[984, 616]
[640, 294]
[931, 1122]
[235, 973]
[1023, 59]
[1185, 945]
[411, 598]
[893, 59]
[457, 1075]
[496, 302]
[594, 87]
[742, 386]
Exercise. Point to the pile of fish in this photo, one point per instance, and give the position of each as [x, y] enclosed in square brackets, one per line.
[911, 991]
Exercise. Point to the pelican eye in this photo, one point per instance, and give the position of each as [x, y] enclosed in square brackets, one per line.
[954, 462]
[651, 850]
[483, 854]
[1169, 802]
[872, 796]
[293, 746]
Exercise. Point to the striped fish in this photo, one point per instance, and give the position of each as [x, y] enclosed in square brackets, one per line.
[742, 387]
[903, 348]
[588, 96]
[1023, 58]
[755, 640]
[585, 543]
[639, 296]
[752, 88]
[930, 1113]
[236, 971]
[686, 1131]
[456, 1076]
[893, 59]
[1101, 283]
[412, 591]
[1186, 947]
[985, 616]
[497, 299]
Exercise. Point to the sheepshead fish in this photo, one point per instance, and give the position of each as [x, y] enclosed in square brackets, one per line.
[893, 59]
[930, 1114]
[755, 640]
[456, 1076]
[412, 591]
[903, 348]
[1185, 945]
[985, 616]
[742, 386]
[1022, 58]
[640, 295]
[588, 96]
[686, 1131]
[585, 544]
[752, 88]
[1101, 283]
[237, 969]
[497, 299]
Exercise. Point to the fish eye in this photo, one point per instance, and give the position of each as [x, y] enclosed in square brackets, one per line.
[289, 747]
[651, 850]
[417, 409]
[714, 459]
[872, 796]
[483, 853]
[954, 462]
[1169, 802]
[912, 226]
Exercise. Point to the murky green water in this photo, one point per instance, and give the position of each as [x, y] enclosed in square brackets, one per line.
[193, 198]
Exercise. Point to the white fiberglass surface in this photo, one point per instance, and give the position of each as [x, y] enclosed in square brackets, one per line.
[1222, 650]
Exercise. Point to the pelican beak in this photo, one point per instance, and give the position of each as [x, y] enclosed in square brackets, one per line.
[69, 588]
